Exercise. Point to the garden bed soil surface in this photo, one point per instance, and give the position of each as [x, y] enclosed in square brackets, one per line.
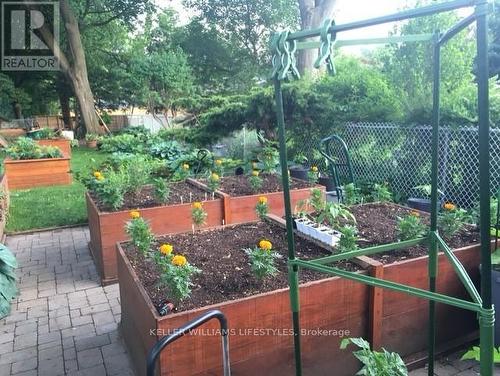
[377, 224]
[226, 273]
[180, 193]
[238, 185]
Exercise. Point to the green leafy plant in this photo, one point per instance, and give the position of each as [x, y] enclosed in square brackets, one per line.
[313, 175]
[45, 134]
[475, 354]
[348, 239]
[317, 200]
[263, 259]
[182, 172]
[213, 182]
[332, 213]
[352, 194]
[198, 214]
[255, 181]
[410, 227]
[375, 363]
[8, 287]
[218, 166]
[176, 273]
[262, 208]
[381, 193]
[268, 155]
[90, 137]
[140, 232]
[138, 171]
[110, 187]
[25, 148]
[162, 190]
[452, 219]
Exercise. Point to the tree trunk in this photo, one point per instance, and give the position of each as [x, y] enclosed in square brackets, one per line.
[77, 71]
[16, 109]
[312, 14]
[65, 109]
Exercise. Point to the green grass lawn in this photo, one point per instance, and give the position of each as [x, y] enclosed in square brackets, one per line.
[53, 206]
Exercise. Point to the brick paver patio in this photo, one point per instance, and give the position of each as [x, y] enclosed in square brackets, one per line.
[65, 323]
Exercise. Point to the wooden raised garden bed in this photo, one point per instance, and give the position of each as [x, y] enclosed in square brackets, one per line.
[63, 144]
[30, 173]
[108, 227]
[239, 201]
[395, 321]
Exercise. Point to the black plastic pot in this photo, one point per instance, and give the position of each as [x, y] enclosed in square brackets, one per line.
[327, 182]
[299, 172]
[423, 204]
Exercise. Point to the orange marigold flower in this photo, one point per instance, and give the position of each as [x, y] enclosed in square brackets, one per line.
[197, 205]
[166, 249]
[265, 245]
[179, 260]
[134, 214]
[449, 206]
[415, 213]
[262, 200]
[255, 173]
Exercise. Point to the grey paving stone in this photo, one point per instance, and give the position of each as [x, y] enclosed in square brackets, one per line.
[89, 358]
[92, 342]
[25, 341]
[51, 367]
[24, 365]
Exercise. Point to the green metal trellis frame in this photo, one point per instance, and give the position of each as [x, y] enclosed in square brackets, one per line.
[285, 45]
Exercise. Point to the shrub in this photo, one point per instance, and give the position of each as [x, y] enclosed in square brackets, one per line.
[162, 190]
[262, 208]
[140, 232]
[375, 363]
[25, 148]
[123, 143]
[411, 227]
[44, 134]
[110, 188]
[352, 194]
[381, 193]
[138, 171]
[176, 275]
[348, 239]
[262, 259]
[198, 214]
[452, 219]
[255, 181]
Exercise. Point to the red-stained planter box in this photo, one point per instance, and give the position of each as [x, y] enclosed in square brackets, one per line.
[30, 173]
[260, 328]
[393, 320]
[241, 209]
[403, 323]
[108, 228]
[63, 144]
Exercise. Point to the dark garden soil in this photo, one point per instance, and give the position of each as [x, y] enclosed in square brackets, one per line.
[180, 192]
[377, 224]
[238, 185]
[226, 273]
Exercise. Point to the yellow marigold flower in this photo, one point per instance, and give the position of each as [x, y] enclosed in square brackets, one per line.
[218, 162]
[265, 245]
[134, 214]
[185, 166]
[215, 177]
[179, 260]
[415, 213]
[255, 173]
[100, 177]
[314, 169]
[197, 205]
[449, 206]
[97, 174]
[166, 249]
[262, 200]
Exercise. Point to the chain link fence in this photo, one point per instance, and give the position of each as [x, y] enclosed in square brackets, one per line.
[401, 156]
